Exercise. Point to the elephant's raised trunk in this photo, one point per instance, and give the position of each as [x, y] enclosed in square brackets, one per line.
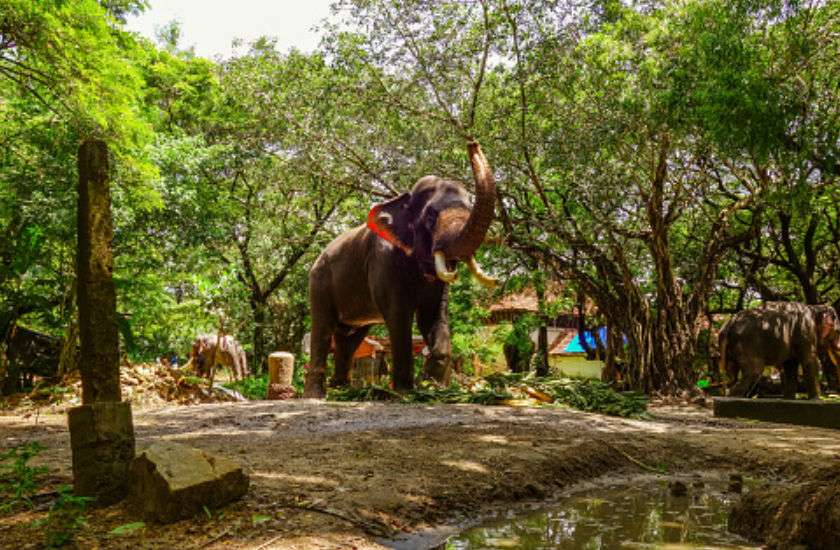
[475, 228]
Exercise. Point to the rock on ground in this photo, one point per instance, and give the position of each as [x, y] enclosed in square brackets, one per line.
[170, 481]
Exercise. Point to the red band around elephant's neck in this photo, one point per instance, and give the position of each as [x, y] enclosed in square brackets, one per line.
[384, 232]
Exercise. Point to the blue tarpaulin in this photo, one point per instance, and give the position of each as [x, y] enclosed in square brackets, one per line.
[575, 347]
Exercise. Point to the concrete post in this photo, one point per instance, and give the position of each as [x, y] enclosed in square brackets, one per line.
[101, 429]
[281, 368]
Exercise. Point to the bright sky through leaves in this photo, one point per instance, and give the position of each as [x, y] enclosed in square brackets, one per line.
[211, 26]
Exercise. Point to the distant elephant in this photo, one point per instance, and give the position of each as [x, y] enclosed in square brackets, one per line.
[781, 334]
[398, 266]
[210, 350]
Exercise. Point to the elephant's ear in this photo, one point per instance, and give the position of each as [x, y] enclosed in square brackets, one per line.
[390, 220]
[825, 321]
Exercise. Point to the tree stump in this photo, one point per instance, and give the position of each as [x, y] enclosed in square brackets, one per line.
[281, 368]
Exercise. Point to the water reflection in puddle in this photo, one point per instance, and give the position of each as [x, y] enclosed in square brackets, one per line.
[644, 515]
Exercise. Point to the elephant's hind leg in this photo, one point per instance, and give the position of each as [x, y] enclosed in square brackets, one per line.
[347, 341]
[810, 372]
[750, 373]
[324, 322]
[789, 378]
[315, 382]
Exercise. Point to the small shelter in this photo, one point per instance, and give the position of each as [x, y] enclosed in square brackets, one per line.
[566, 355]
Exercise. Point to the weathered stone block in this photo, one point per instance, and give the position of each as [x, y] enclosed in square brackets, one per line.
[170, 481]
[822, 414]
[102, 441]
[277, 391]
[281, 368]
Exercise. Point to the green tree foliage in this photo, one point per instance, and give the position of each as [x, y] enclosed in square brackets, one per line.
[65, 74]
[666, 160]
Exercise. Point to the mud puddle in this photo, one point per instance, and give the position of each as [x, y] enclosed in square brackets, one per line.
[643, 514]
[637, 513]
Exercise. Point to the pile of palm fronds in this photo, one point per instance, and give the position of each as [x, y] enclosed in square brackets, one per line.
[586, 395]
[426, 392]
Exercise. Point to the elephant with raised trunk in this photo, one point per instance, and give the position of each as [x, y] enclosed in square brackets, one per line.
[781, 334]
[395, 268]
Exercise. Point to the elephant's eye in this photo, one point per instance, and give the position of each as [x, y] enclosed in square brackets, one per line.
[385, 218]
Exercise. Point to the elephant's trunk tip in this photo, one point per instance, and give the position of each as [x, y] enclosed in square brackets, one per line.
[482, 213]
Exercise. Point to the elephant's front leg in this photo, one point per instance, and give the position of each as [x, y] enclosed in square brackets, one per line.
[433, 321]
[399, 332]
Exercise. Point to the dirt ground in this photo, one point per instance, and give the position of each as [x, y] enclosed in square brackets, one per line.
[350, 475]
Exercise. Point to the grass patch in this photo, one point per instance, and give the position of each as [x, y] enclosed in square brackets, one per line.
[251, 387]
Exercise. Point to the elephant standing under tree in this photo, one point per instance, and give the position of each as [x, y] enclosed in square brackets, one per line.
[781, 334]
[398, 266]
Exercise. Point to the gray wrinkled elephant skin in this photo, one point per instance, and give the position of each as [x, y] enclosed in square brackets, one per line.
[394, 268]
[781, 334]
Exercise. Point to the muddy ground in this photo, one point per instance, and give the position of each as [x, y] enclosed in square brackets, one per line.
[344, 475]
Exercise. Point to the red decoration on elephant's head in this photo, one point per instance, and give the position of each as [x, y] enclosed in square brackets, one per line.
[384, 232]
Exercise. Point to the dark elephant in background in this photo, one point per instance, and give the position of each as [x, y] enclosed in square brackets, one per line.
[395, 268]
[780, 334]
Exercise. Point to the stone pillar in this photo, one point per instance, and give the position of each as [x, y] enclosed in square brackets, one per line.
[101, 429]
[281, 368]
[102, 441]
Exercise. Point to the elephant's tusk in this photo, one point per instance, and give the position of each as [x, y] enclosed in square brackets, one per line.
[440, 268]
[833, 357]
[484, 279]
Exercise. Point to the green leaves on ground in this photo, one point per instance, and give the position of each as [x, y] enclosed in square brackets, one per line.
[586, 395]
[128, 528]
[596, 396]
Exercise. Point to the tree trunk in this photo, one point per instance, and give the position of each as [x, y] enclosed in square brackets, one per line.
[68, 360]
[542, 335]
[600, 349]
[610, 374]
[542, 350]
[258, 309]
[581, 325]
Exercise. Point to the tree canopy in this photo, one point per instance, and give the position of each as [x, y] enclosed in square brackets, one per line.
[667, 160]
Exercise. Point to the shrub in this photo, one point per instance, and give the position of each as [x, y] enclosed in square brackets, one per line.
[251, 387]
[18, 480]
